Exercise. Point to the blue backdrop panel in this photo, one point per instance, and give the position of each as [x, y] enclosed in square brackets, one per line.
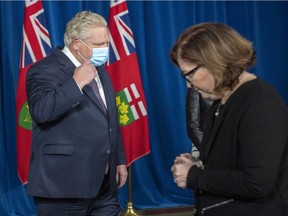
[155, 25]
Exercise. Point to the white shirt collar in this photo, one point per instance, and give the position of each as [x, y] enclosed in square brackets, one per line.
[68, 53]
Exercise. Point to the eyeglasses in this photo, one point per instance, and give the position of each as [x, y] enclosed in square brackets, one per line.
[189, 75]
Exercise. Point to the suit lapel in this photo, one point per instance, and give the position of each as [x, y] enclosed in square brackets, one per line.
[104, 77]
[89, 92]
[65, 62]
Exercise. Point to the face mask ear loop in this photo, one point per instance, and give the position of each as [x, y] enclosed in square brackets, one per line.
[79, 51]
[81, 55]
[85, 44]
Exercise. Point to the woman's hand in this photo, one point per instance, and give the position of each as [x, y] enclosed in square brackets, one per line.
[180, 169]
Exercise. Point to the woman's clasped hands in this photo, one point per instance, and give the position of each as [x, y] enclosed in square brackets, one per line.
[180, 169]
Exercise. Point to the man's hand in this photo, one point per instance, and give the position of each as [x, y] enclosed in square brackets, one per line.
[84, 74]
[121, 175]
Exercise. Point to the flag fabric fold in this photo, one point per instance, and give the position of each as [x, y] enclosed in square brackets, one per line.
[35, 46]
[123, 69]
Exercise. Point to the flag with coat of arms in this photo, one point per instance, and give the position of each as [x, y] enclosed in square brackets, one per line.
[123, 69]
[35, 46]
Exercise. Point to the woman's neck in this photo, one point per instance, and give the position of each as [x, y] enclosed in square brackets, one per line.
[243, 78]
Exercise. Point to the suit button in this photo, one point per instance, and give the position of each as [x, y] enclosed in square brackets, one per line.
[110, 130]
[108, 151]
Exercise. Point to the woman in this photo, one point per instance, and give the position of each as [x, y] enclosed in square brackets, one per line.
[244, 146]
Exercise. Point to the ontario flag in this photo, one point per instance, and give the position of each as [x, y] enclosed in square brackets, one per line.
[123, 69]
[35, 46]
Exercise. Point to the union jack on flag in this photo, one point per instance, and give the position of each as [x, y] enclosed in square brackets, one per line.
[123, 69]
[35, 41]
[35, 46]
[124, 33]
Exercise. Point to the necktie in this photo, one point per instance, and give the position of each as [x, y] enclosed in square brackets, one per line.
[95, 88]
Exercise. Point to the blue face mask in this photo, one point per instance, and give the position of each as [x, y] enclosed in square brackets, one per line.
[99, 55]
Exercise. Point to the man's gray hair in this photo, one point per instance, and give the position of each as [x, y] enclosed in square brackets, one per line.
[79, 25]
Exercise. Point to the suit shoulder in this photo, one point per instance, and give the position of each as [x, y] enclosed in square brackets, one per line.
[48, 61]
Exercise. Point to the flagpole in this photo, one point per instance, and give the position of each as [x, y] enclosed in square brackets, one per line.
[130, 211]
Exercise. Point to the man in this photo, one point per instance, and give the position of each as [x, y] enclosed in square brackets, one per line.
[77, 158]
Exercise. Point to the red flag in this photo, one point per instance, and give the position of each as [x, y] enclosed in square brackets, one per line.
[35, 46]
[124, 71]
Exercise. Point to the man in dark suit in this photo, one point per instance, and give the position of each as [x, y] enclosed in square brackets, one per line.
[77, 157]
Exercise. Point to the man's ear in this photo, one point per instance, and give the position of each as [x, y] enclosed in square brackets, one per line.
[75, 44]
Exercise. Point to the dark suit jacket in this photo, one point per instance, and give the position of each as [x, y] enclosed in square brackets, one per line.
[73, 139]
[244, 151]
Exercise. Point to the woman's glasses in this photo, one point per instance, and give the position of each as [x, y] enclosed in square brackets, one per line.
[189, 75]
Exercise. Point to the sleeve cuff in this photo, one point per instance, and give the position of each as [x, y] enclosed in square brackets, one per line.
[192, 178]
